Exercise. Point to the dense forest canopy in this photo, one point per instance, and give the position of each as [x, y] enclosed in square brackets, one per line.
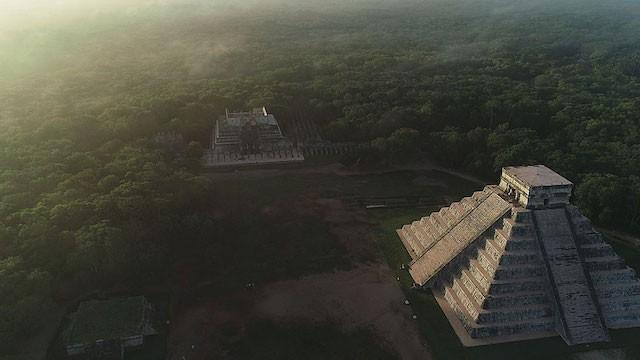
[105, 108]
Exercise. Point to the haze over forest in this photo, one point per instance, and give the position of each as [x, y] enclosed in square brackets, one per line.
[106, 108]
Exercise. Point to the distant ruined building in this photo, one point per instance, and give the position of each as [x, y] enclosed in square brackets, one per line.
[517, 261]
[250, 138]
[108, 329]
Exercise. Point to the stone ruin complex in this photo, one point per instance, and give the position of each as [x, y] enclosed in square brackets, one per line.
[107, 329]
[250, 138]
[517, 261]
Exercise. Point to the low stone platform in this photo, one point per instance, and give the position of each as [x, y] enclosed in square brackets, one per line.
[214, 159]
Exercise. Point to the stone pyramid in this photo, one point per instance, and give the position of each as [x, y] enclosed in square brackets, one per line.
[517, 261]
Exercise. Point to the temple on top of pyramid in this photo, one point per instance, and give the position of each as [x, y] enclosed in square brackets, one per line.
[517, 261]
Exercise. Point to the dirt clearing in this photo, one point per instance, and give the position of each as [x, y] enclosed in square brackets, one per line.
[366, 296]
[363, 297]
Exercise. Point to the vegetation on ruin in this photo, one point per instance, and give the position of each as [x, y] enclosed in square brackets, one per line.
[104, 119]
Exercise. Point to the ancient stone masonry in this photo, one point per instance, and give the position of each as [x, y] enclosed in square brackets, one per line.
[579, 315]
[517, 261]
[256, 138]
[250, 138]
[102, 329]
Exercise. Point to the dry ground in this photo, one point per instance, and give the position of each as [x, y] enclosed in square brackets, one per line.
[609, 354]
[364, 295]
[367, 295]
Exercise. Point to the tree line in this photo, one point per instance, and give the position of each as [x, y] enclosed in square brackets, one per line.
[100, 178]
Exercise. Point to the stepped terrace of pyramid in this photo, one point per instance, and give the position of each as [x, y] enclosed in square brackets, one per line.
[517, 261]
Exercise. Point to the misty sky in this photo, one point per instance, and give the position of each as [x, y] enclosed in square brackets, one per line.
[22, 14]
[25, 13]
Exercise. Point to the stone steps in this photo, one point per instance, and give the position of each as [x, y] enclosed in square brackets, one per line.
[542, 325]
[478, 289]
[591, 238]
[516, 299]
[423, 226]
[530, 271]
[408, 242]
[521, 313]
[579, 313]
[420, 235]
[494, 250]
[481, 274]
[489, 258]
[608, 263]
[623, 319]
[413, 240]
[230, 135]
[518, 245]
[227, 141]
[616, 290]
[466, 299]
[527, 284]
[448, 217]
[626, 275]
[436, 226]
[499, 239]
[627, 303]
[477, 316]
[515, 272]
[457, 210]
[504, 328]
[424, 235]
[499, 293]
[502, 278]
[615, 284]
[510, 258]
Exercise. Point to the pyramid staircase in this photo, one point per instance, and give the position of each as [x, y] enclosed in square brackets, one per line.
[579, 318]
[616, 286]
[500, 290]
[226, 134]
[502, 272]
[421, 235]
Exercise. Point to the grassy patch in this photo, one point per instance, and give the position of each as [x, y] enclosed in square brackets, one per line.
[261, 250]
[153, 349]
[432, 323]
[269, 227]
[267, 340]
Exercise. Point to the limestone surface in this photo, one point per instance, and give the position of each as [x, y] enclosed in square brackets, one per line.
[505, 272]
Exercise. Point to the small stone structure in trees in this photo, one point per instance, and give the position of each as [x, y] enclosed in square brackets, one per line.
[108, 328]
[517, 261]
